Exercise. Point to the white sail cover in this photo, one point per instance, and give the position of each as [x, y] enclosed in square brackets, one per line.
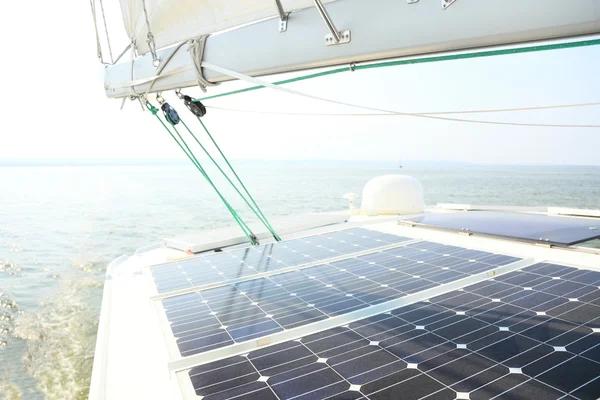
[172, 21]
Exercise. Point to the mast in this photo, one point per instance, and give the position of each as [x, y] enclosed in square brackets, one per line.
[369, 30]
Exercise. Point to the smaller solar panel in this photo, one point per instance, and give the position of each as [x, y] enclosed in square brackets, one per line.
[530, 334]
[255, 308]
[531, 227]
[221, 267]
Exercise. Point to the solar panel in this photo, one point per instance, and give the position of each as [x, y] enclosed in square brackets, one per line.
[528, 334]
[221, 267]
[220, 317]
[531, 227]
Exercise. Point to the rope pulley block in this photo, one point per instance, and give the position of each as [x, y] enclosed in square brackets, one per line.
[172, 117]
[196, 108]
[170, 113]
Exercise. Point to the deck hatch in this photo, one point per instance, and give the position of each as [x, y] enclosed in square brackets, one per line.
[556, 230]
[480, 342]
[215, 318]
[220, 267]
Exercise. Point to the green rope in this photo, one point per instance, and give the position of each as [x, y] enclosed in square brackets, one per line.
[235, 215]
[463, 56]
[196, 163]
[239, 180]
[256, 210]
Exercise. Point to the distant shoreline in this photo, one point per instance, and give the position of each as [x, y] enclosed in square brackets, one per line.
[388, 164]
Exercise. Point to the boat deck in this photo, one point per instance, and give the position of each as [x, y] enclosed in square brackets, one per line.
[372, 308]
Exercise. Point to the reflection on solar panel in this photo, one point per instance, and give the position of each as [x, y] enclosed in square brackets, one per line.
[530, 334]
[255, 308]
[532, 227]
[220, 267]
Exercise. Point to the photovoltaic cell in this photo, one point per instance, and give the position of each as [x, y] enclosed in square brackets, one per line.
[215, 318]
[531, 227]
[220, 267]
[482, 342]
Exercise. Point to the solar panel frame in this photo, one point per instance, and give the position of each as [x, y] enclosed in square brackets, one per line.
[226, 265]
[416, 248]
[462, 358]
[538, 228]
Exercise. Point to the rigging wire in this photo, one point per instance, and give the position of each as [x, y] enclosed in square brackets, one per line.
[150, 37]
[98, 46]
[464, 120]
[261, 83]
[198, 110]
[183, 146]
[500, 110]
[122, 53]
[260, 213]
[112, 60]
[256, 211]
[98, 43]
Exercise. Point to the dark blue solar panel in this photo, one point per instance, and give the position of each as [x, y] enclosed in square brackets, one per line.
[251, 309]
[532, 227]
[220, 267]
[473, 344]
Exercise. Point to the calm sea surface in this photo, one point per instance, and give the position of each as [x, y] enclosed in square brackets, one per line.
[61, 226]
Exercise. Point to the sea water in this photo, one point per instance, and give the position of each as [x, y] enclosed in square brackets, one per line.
[61, 225]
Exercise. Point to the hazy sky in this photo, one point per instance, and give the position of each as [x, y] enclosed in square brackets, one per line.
[54, 105]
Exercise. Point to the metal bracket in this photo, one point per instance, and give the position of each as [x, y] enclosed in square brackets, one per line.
[152, 47]
[334, 37]
[283, 24]
[283, 16]
[344, 37]
[447, 3]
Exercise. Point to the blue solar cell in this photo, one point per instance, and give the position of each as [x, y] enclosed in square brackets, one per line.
[260, 307]
[253, 329]
[315, 379]
[375, 364]
[211, 341]
[302, 317]
[587, 277]
[413, 285]
[281, 358]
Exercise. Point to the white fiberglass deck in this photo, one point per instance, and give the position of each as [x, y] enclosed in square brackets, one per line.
[354, 312]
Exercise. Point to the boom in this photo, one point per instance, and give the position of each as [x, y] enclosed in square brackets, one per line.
[376, 30]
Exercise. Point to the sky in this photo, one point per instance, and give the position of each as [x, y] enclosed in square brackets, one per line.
[54, 105]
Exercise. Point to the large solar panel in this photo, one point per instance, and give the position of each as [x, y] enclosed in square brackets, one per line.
[529, 334]
[220, 317]
[221, 267]
[530, 227]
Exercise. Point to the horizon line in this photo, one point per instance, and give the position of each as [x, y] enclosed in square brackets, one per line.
[77, 162]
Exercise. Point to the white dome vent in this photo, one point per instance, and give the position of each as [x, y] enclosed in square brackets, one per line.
[393, 194]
